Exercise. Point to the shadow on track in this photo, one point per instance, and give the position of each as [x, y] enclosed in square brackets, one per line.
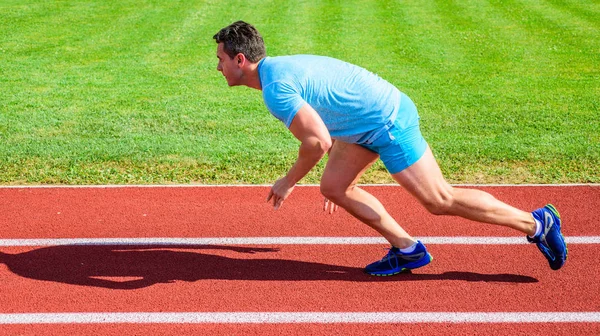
[106, 266]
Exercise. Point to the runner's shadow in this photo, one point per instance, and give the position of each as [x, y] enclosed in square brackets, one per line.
[131, 267]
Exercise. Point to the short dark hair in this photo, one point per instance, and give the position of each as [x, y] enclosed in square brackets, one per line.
[242, 37]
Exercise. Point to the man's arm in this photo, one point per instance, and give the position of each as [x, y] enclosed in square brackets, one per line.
[315, 140]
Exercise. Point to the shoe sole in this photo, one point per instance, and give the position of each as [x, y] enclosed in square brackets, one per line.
[557, 214]
[427, 258]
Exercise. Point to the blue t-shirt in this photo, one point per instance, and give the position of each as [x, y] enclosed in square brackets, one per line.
[352, 101]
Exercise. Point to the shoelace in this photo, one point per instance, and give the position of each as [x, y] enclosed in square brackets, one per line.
[389, 255]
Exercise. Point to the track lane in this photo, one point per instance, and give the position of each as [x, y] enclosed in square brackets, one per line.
[292, 278]
[243, 212]
[433, 329]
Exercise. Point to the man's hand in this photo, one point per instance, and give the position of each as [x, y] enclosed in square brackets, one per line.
[329, 206]
[279, 192]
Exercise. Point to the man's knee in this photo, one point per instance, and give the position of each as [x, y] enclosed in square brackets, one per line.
[332, 191]
[440, 203]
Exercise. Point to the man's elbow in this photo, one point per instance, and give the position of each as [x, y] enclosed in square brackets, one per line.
[316, 147]
[326, 145]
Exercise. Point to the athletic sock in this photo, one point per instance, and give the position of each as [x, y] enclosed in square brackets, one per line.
[538, 228]
[409, 249]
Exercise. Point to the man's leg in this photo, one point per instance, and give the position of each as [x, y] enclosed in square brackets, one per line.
[346, 164]
[424, 180]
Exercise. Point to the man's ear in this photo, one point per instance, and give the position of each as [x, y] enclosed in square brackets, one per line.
[240, 59]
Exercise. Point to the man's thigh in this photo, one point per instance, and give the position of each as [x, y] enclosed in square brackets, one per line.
[424, 179]
[346, 164]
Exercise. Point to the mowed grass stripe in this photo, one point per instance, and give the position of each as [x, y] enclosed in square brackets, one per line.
[149, 109]
[448, 83]
[564, 61]
[587, 10]
[112, 49]
[569, 14]
[492, 58]
[535, 98]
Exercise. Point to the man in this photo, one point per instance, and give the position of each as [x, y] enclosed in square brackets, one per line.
[335, 107]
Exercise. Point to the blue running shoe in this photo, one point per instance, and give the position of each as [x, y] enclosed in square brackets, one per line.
[395, 261]
[550, 241]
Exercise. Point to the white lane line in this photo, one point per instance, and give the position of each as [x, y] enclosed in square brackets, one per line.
[280, 241]
[66, 186]
[304, 317]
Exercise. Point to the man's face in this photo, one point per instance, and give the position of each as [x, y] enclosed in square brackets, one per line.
[229, 67]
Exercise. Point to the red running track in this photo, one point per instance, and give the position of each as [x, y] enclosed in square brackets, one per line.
[285, 278]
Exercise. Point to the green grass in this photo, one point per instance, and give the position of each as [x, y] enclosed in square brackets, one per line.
[103, 92]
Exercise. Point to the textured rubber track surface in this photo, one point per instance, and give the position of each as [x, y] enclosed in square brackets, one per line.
[280, 278]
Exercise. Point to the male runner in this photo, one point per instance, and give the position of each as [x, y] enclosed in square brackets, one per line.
[357, 117]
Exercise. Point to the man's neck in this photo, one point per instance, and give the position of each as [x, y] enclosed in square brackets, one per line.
[252, 77]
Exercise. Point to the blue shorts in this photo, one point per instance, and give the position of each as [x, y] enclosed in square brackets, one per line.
[399, 143]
